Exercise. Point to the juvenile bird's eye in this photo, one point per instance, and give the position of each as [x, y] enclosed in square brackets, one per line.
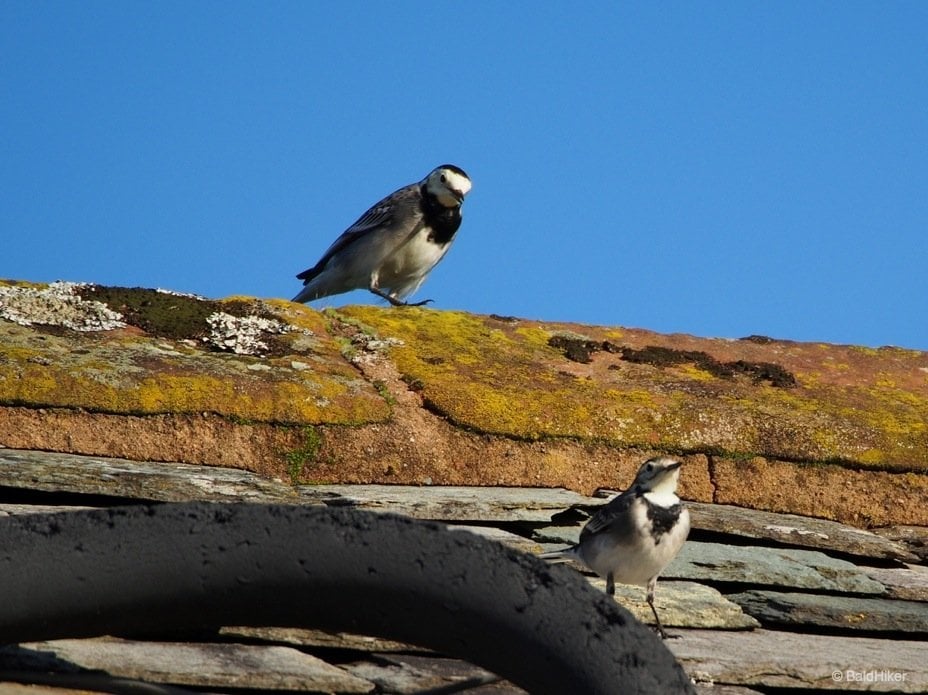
[650, 467]
[443, 178]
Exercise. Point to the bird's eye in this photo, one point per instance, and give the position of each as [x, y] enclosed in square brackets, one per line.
[443, 179]
[650, 467]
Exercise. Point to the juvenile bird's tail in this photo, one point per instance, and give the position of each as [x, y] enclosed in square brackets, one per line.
[558, 556]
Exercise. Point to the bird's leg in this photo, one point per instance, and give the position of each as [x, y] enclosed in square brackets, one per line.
[652, 585]
[610, 584]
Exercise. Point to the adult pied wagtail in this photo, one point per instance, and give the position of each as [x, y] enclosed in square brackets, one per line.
[393, 246]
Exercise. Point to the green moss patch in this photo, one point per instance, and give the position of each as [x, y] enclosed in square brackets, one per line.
[304, 455]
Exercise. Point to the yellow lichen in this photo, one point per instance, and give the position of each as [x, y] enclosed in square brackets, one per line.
[495, 376]
[122, 372]
[691, 371]
[506, 379]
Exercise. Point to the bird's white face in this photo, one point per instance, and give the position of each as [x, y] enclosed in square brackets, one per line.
[449, 185]
[659, 475]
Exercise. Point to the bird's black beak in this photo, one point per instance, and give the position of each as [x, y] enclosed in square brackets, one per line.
[673, 466]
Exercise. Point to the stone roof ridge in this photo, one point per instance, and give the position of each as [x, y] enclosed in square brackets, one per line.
[367, 394]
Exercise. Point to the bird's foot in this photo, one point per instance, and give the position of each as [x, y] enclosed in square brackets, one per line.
[663, 634]
[394, 301]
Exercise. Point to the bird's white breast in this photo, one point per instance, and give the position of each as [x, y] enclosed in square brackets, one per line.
[414, 259]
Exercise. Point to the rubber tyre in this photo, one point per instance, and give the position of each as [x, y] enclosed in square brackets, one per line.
[199, 565]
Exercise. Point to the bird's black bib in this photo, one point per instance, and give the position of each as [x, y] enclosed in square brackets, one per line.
[443, 222]
[662, 519]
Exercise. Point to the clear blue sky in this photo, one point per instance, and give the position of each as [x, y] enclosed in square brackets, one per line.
[714, 168]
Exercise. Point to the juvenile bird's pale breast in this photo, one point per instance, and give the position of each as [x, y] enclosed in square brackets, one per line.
[640, 556]
[669, 543]
[651, 554]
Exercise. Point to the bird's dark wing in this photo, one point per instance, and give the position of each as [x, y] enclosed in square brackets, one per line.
[378, 216]
[617, 509]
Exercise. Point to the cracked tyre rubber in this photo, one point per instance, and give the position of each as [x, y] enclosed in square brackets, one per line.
[199, 565]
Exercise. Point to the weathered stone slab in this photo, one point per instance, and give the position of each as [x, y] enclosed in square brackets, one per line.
[513, 540]
[9, 688]
[396, 678]
[712, 689]
[775, 659]
[910, 582]
[456, 669]
[795, 530]
[682, 604]
[849, 613]
[318, 638]
[166, 482]
[49, 682]
[558, 535]
[447, 503]
[787, 567]
[14, 509]
[915, 538]
[206, 665]
[411, 674]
